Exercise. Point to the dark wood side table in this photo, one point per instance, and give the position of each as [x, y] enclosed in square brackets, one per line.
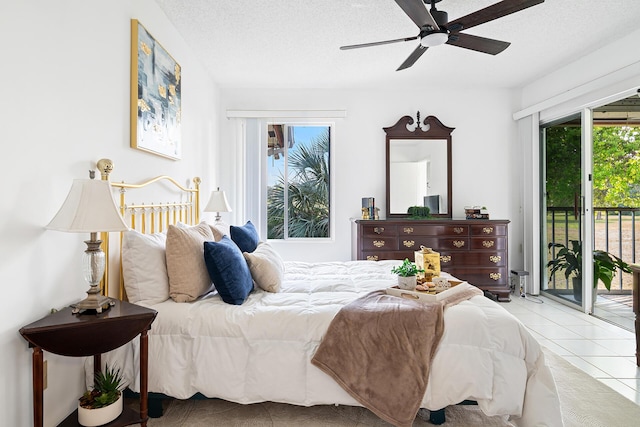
[79, 335]
[635, 271]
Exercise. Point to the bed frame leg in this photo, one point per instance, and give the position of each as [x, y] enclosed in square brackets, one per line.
[437, 417]
[155, 407]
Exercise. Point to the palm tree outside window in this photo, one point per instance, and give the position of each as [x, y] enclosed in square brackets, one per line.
[298, 186]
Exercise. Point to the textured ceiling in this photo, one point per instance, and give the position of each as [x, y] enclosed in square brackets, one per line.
[295, 43]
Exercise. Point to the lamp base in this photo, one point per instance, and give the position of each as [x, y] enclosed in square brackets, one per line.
[94, 302]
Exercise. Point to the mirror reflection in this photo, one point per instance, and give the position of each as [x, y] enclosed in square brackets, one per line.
[418, 175]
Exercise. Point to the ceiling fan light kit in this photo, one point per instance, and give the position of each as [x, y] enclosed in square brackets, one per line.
[435, 28]
[434, 39]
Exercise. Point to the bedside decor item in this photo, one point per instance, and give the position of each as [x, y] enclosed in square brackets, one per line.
[407, 274]
[476, 212]
[419, 212]
[103, 404]
[156, 96]
[368, 208]
[218, 203]
[428, 260]
[90, 208]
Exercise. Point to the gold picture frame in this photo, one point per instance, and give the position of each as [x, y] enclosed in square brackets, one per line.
[156, 97]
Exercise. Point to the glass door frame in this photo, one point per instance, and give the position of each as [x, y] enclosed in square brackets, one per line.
[587, 210]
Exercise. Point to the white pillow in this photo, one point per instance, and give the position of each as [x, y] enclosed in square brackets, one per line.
[144, 267]
[266, 266]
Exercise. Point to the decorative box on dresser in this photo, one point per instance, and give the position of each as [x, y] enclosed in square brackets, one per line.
[471, 250]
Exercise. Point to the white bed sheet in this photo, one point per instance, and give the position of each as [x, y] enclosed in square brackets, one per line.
[261, 350]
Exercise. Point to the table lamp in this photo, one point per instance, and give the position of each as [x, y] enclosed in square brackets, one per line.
[218, 203]
[90, 208]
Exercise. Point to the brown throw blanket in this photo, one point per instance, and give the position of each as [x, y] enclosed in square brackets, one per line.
[379, 349]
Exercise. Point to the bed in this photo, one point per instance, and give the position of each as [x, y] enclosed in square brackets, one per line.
[261, 349]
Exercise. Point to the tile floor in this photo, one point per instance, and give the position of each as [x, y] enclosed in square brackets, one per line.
[601, 349]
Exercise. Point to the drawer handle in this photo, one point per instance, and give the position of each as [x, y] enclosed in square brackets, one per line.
[408, 243]
[408, 230]
[372, 257]
[458, 243]
[445, 259]
[488, 243]
[487, 230]
[495, 258]
[495, 276]
[378, 230]
[458, 230]
[378, 243]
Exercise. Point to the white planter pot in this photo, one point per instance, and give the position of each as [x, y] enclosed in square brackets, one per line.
[100, 416]
[407, 283]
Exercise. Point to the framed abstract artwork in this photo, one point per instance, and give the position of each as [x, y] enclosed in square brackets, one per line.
[156, 96]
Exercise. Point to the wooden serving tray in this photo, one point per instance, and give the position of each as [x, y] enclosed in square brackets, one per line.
[427, 296]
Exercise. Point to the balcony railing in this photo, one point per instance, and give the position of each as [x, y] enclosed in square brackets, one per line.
[615, 231]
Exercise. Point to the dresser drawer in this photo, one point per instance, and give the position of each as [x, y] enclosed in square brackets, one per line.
[379, 243]
[488, 243]
[382, 255]
[481, 276]
[489, 230]
[436, 243]
[472, 259]
[382, 230]
[433, 230]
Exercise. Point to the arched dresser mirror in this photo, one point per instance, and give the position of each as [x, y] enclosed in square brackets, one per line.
[418, 166]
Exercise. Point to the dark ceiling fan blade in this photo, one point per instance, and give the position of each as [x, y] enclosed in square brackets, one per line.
[356, 46]
[492, 12]
[417, 53]
[418, 13]
[479, 44]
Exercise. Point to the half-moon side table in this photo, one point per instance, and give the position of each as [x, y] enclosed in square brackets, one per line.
[81, 335]
[635, 271]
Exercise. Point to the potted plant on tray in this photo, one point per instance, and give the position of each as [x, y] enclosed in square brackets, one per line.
[103, 404]
[407, 274]
[569, 259]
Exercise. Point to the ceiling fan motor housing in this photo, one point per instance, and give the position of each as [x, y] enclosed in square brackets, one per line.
[440, 16]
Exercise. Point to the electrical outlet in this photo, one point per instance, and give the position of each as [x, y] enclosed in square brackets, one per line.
[44, 375]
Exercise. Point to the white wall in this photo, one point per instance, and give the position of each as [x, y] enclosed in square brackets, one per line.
[483, 142]
[65, 104]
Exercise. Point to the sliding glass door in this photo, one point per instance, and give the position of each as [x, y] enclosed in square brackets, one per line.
[566, 206]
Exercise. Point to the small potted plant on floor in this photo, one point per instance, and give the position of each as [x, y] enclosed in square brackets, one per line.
[569, 259]
[103, 404]
[407, 274]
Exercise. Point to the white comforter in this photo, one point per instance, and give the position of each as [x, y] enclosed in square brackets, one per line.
[261, 350]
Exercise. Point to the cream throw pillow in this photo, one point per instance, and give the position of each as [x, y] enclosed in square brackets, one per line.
[266, 266]
[144, 268]
[188, 275]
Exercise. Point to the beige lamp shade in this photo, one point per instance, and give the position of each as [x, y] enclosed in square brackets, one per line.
[218, 202]
[89, 208]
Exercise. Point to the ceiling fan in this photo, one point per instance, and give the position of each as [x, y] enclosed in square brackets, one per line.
[436, 30]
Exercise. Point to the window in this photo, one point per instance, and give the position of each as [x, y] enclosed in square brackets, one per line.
[298, 180]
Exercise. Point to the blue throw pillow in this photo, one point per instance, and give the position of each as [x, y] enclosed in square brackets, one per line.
[228, 270]
[246, 237]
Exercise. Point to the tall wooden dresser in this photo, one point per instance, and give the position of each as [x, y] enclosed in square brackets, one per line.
[472, 250]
